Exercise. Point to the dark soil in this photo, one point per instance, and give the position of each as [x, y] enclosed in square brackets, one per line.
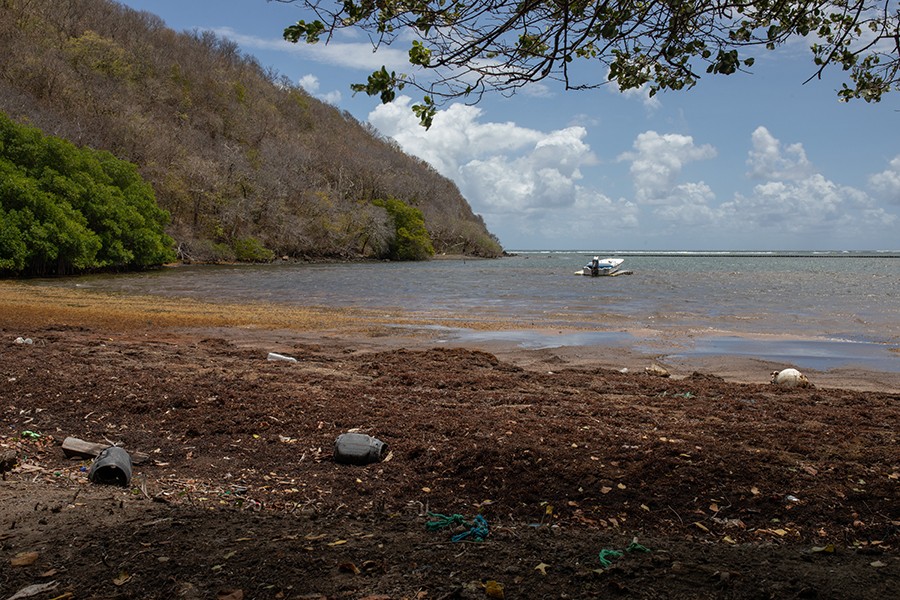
[736, 490]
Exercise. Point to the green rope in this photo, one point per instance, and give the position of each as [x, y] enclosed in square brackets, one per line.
[477, 531]
[606, 556]
[444, 521]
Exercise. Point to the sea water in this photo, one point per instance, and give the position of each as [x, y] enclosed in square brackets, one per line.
[828, 304]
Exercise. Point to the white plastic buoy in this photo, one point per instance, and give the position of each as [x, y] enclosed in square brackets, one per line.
[790, 378]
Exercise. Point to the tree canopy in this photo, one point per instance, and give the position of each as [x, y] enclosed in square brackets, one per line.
[464, 48]
[411, 240]
[65, 209]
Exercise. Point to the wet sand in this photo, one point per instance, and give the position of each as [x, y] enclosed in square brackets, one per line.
[25, 308]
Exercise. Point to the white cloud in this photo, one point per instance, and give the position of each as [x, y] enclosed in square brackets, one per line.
[354, 55]
[539, 186]
[310, 83]
[793, 204]
[689, 204]
[657, 162]
[508, 173]
[769, 161]
[887, 183]
[796, 200]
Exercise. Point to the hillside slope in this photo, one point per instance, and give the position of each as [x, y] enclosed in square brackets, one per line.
[238, 155]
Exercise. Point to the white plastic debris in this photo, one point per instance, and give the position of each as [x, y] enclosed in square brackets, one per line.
[790, 378]
[282, 357]
[21, 340]
[34, 590]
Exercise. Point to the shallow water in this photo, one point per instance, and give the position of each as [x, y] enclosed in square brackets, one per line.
[819, 310]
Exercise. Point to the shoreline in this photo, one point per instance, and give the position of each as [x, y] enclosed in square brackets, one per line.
[26, 310]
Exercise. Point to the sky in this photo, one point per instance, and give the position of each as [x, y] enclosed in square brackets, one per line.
[756, 161]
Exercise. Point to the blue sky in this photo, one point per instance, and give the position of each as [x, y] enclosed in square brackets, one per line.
[744, 162]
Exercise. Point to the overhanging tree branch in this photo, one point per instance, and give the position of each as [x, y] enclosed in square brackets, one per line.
[466, 48]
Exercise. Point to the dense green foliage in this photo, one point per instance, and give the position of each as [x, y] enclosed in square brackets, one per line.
[248, 165]
[411, 241]
[469, 47]
[65, 209]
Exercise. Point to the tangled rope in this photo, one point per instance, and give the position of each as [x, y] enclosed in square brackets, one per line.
[478, 530]
[606, 556]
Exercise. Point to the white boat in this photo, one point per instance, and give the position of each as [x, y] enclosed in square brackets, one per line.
[599, 267]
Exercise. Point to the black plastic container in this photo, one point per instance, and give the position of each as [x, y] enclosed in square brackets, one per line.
[358, 449]
[112, 467]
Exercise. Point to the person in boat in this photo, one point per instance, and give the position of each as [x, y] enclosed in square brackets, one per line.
[595, 266]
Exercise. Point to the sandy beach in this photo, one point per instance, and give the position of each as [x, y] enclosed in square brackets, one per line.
[591, 481]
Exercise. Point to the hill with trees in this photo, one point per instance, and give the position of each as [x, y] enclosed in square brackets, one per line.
[247, 164]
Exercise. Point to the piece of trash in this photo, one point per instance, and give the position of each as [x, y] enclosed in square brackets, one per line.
[358, 449]
[8, 460]
[111, 467]
[276, 357]
[32, 435]
[790, 378]
[791, 498]
[34, 590]
[606, 555]
[478, 530]
[542, 568]
[75, 448]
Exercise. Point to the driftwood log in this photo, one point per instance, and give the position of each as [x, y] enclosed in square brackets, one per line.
[76, 448]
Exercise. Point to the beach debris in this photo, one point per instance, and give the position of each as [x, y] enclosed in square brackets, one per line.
[274, 356]
[358, 449]
[77, 448]
[606, 555]
[478, 529]
[34, 590]
[790, 378]
[656, 371]
[8, 459]
[111, 467]
[21, 340]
